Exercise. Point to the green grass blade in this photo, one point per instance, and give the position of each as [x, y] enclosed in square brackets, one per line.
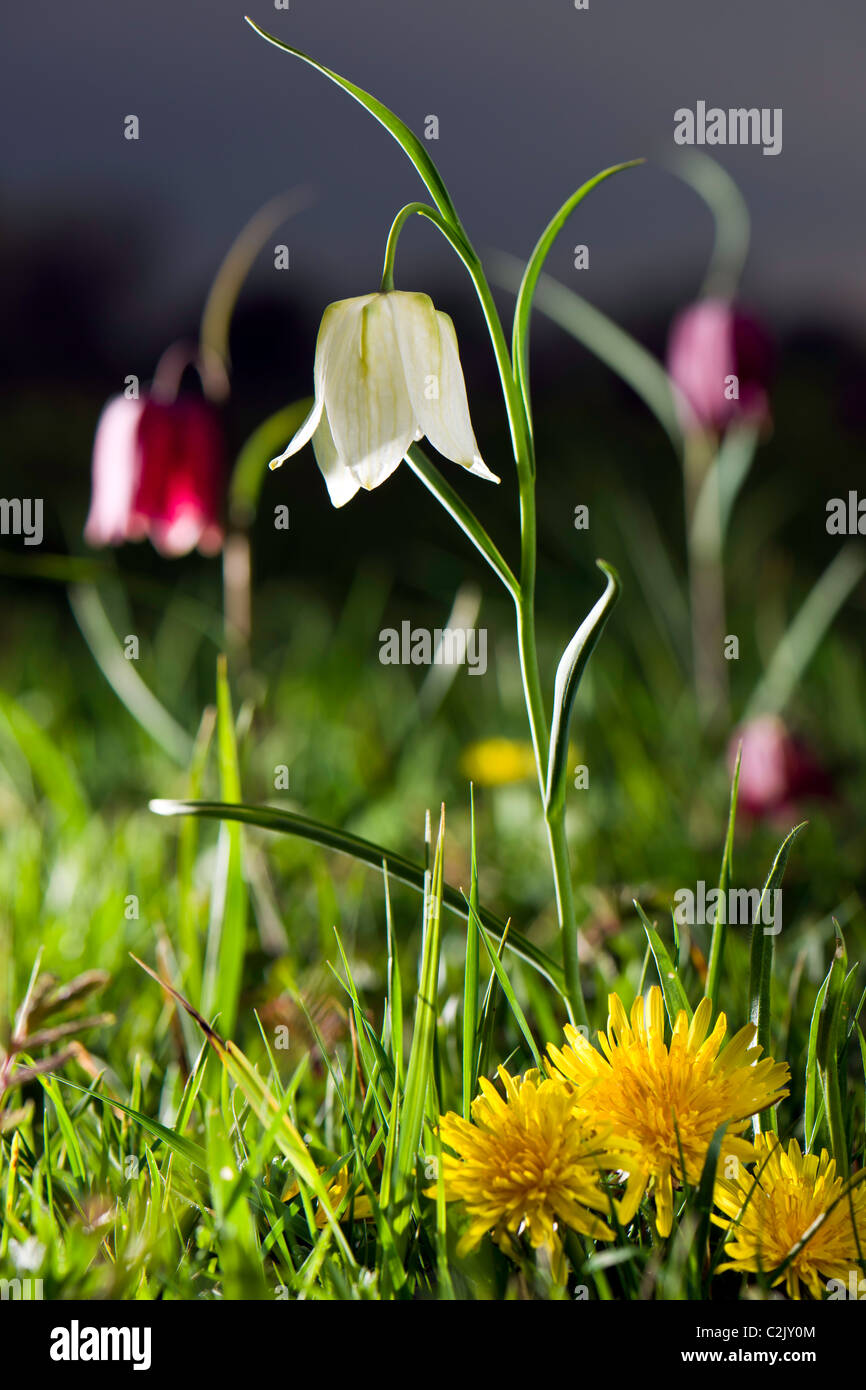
[806, 631]
[420, 1065]
[761, 960]
[142, 704]
[395, 985]
[706, 1191]
[513, 1004]
[675, 996]
[397, 865]
[54, 771]
[717, 941]
[175, 1142]
[270, 1112]
[810, 1121]
[829, 1027]
[224, 957]
[470, 974]
[408, 141]
[188, 927]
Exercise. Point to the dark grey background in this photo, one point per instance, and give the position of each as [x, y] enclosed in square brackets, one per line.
[531, 98]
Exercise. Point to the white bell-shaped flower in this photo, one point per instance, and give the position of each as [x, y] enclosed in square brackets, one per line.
[387, 372]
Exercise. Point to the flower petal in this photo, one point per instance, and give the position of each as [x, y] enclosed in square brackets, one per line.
[341, 481]
[366, 397]
[434, 376]
[116, 465]
[333, 321]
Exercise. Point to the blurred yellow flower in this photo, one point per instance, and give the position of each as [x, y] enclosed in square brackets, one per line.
[526, 1164]
[657, 1103]
[493, 762]
[769, 1211]
[360, 1208]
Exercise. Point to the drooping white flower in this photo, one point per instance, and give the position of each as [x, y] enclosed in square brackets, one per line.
[387, 372]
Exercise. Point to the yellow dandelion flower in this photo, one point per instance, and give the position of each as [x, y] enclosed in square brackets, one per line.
[658, 1102]
[776, 1205]
[494, 762]
[498, 762]
[361, 1208]
[525, 1164]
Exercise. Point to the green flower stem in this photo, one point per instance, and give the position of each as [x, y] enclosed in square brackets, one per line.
[554, 815]
[559, 859]
[213, 344]
[518, 424]
[410, 210]
[706, 583]
[524, 592]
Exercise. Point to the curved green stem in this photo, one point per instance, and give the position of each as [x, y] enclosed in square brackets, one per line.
[521, 436]
[226, 286]
[415, 209]
[565, 912]
[523, 592]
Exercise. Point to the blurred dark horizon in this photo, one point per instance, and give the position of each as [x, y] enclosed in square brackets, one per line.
[108, 246]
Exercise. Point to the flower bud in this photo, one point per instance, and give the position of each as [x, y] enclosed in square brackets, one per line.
[777, 770]
[719, 360]
[387, 372]
[158, 472]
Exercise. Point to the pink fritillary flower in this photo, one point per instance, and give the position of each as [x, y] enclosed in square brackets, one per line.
[720, 361]
[158, 472]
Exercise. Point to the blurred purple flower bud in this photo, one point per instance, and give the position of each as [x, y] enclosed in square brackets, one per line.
[158, 472]
[720, 360]
[778, 771]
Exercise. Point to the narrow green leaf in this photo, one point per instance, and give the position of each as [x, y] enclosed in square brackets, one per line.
[761, 960]
[142, 704]
[269, 1111]
[227, 283]
[252, 462]
[799, 643]
[717, 941]
[706, 1193]
[730, 213]
[470, 974]
[568, 676]
[188, 926]
[611, 344]
[829, 1025]
[226, 940]
[173, 1140]
[534, 267]
[397, 865]
[810, 1121]
[513, 1004]
[55, 772]
[408, 141]
[419, 1068]
[721, 487]
[50, 1085]
[449, 498]
[675, 996]
[395, 984]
